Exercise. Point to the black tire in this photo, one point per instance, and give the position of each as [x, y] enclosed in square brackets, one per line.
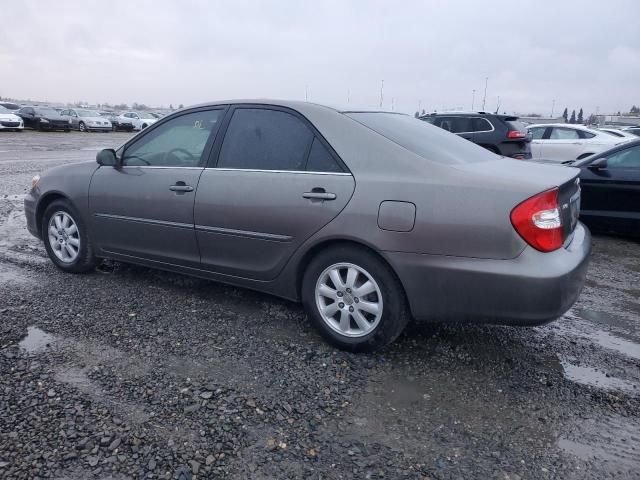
[395, 310]
[40, 127]
[82, 127]
[67, 130]
[85, 260]
[144, 125]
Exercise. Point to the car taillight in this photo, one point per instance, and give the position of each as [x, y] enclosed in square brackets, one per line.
[519, 157]
[538, 221]
[516, 134]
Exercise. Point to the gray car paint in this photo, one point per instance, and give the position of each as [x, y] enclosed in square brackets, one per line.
[462, 225]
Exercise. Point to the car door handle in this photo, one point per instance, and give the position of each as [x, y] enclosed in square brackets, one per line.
[319, 195]
[181, 188]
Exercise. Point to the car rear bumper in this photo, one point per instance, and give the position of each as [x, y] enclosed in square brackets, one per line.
[532, 289]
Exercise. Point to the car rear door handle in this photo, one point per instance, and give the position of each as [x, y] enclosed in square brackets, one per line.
[319, 194]
[181, 187]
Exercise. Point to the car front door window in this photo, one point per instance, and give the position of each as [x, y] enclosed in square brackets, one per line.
[180, 142]
[629, 158]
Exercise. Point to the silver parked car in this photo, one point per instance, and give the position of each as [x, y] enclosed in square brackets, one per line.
[368, 218]
[87, 120]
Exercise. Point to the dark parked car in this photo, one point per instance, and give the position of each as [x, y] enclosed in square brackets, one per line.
[611, 189]
[44, 118]
[263, 195]
[116, 122]
[634, 130]
[501, 134]
[10, 105]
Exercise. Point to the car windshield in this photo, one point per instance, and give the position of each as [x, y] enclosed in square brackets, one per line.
[420, 137]
[4, 110]
[88, 113]
[46, 111]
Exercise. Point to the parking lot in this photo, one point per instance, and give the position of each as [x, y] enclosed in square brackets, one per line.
[130, 372]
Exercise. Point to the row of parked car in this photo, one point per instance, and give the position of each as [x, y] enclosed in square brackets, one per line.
[506, 135]
[16, 117]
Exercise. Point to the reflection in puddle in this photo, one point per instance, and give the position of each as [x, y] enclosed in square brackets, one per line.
[578, 326]
[10, 275]
[609, 438]
[36, 340]
[592, 377]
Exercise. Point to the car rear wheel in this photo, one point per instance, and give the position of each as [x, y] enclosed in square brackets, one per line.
[66, 239]
[82, 127]
[354, 299]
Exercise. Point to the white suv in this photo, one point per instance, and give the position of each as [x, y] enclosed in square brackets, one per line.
[140, 120]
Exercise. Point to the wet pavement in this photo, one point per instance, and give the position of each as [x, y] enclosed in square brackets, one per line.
[133, 373]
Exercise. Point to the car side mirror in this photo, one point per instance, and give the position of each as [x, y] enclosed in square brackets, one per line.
[107, 158]
[599, 164]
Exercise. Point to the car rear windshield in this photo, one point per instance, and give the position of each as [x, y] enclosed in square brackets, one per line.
[422, 138]
[515, 125]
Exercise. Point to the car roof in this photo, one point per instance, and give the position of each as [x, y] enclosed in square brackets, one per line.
[293, 104]
[565, 125]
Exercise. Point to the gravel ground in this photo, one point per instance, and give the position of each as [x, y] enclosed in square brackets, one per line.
[133, 373]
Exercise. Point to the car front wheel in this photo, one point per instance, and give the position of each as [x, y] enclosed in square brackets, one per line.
[66, 239]
[354, 299]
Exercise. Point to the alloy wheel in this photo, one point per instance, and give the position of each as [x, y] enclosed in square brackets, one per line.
[349, 300]
[64, 237]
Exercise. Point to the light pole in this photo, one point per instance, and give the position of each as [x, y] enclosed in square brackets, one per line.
[484, 99]
[473, 98]
[553, 106]
[381, 92]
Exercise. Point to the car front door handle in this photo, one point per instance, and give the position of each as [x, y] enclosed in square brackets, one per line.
[181, 187]
[319, 195]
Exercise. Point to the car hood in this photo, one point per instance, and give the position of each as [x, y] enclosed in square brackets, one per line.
[9, 117]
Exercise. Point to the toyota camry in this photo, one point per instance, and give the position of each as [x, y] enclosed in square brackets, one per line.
[369, 218]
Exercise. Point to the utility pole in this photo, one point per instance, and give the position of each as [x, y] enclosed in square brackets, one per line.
[381, 92]
[306, 93]
[473, 98]
[348, 96]
[419, 107]
[392, 100]
[484, 99]
[553, 106]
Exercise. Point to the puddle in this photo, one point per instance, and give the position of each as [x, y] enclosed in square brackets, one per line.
[592, 377]
[579, 327]
[12, 275]
[614, 440]
[36, 340]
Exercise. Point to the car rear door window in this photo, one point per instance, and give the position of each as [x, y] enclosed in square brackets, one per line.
[461, 125]
[264, 139]
[321, 160]
[584, 134]
[178, 142]
[559, 133]
[481, 125]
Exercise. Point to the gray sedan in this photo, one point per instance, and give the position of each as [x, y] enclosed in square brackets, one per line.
[87, 120]
[368, 218]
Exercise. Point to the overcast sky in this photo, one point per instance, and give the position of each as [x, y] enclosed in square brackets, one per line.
[433, 53]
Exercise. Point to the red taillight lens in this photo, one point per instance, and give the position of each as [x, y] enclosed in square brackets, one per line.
[538, 221]
[519, 157]
[516, 134]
